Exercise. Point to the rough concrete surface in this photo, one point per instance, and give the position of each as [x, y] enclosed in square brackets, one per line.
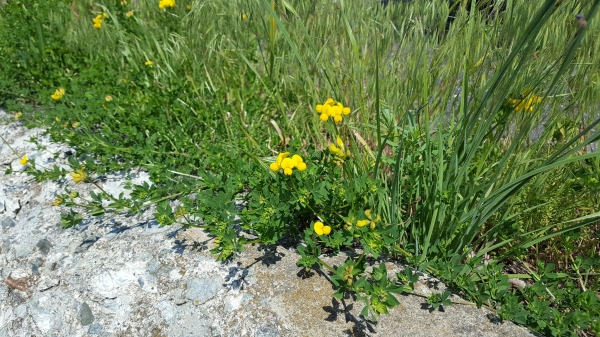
[122, 275]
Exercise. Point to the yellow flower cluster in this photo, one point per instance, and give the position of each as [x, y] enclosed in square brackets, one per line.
[332, 109]
[287, 164]
[339, 151]
[244, 16]
[24, 160]
[321, 229]
[369, 221]
[79, 175]
[527, 103]
[58, 94]
[18, 115]
[149, 63]
[98, 20]
[129, 14]
[166, 4]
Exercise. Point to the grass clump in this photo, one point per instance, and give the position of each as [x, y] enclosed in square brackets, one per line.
[466, 150]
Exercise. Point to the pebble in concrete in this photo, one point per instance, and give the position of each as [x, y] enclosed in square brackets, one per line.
[202, 290]
[85, 315]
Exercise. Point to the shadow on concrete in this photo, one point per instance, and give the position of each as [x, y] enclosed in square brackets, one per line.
[180, 246]
[236, 278]
[362, 326]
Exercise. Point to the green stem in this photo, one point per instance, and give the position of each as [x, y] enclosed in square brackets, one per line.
[10, 147]
[324, 264]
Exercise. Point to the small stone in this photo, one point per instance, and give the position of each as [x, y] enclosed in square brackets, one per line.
[19, 284]
[35, 266]
[85, 315]
[267, 331]
[44, 246]
[6, 221]
[216, 331]
[201, 290]
[95, 329]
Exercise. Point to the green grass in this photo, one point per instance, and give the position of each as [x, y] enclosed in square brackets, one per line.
[436, 148]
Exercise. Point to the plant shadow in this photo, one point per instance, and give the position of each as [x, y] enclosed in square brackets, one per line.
[361, 326]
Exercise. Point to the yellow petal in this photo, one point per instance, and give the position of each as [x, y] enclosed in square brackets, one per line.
[274, 167]
[368, 213]
[319, 108]
[301, 166]
[324, 117]
[287, 163]
[326, 230]
[318, 227]
[333, 149]
[339, 142]
[362, 223]
[346, 111]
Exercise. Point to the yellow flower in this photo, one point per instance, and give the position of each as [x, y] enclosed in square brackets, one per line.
[338, 150]
[527, 103]
[75, 124]
[18, 115]
[58, 94]
[57, 202]
[108, 98]
[332, 109]
[286, 163]
[129, 14]
[149, 63]
[166, 4]
[244, 16]
[79, 175]
[24, 160]
[188, 7]
[97, 21]
[321, 229]
[73, 194]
